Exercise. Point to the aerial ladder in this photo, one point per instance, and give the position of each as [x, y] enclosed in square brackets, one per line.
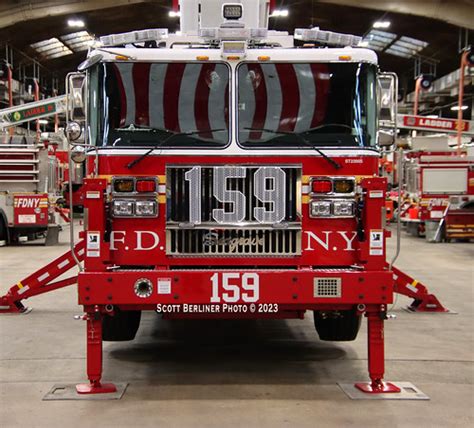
[17, 115]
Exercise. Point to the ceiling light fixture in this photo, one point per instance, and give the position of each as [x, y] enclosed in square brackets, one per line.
[279, 13]
[381, 24]
[76, 23]
[456, 108]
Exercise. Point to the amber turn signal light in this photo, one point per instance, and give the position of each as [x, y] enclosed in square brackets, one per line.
[343, 186]
[123, 185]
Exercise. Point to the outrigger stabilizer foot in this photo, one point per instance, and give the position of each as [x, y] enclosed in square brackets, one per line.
[41, 281]
[94, 355]
[376, 354]
[423, 300]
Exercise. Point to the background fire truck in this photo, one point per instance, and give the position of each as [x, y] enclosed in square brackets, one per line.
[231, 175]
[439, 190]
[28, 191]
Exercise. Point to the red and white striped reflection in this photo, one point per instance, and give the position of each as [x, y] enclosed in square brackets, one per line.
[178, 97]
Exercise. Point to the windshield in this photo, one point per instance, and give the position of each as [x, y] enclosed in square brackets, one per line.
[169, 104]
[326, 104]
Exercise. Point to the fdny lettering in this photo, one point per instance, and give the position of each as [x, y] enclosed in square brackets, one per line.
[27, 202]
[324, 238]
[145, 240]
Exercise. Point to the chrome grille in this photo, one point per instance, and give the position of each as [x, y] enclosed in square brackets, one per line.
[178, 194]
[234, 242]
[247, 236]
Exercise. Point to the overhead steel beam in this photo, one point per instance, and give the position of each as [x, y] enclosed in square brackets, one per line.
[25, 10]
[456, 12]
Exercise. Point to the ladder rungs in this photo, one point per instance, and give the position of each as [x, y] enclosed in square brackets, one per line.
[18, 161]
[18, 172]
[18, 181]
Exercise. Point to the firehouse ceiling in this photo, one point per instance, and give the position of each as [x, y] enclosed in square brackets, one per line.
[413, 36]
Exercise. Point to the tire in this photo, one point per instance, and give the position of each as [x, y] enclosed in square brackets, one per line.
[338, 326]
[120, 327]
[3, 231]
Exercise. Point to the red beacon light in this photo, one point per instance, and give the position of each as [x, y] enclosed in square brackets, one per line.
[145, 186]
[321, 186]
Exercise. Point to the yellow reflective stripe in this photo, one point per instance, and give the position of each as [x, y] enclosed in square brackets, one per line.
[414, 283]
[162, 199]
[305, 179]
[20, 285]
[305, 199]
[161, 178]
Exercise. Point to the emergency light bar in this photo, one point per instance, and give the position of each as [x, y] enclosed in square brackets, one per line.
[134, 37]
[326, 37]
[233, 33]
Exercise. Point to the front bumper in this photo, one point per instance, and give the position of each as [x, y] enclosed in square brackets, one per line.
[291, 289]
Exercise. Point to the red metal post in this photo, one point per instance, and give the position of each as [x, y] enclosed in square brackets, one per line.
[272, 6]
[376, 355]
[94, 357]
[417, 95]
[464, 63]
[37, 95]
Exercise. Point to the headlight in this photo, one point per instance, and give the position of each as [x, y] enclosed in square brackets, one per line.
[145, 208]
[320, 209]
[343, 208]
[122, 208]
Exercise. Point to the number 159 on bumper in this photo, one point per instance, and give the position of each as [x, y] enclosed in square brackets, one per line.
[231, 287]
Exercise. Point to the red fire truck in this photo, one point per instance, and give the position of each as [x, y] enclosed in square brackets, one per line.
[439, 190]
[27, 193]
[231, 175]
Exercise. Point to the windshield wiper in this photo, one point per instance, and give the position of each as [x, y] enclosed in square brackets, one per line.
[327, 125]
[131, 164]
[335, 164]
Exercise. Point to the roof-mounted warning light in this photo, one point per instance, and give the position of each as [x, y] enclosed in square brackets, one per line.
[153, 34]
[326, 37]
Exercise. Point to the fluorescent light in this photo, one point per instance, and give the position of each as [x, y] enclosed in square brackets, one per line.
[173, 14]
[456, 108]
[78, 41]
[433, 116]
[43, 122]
[381, 24]
[51, 48]
[363, 44]
[77, 23]
[277, 13]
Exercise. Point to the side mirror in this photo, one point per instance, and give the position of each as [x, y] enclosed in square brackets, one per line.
[75, 91]
[386, 138]
[72, 131]
[78, 154]
[387, 102]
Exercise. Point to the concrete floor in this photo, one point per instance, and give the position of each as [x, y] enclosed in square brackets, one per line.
[226, 374]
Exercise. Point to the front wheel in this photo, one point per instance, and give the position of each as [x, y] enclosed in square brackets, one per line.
[338, 326]
[121, 326]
